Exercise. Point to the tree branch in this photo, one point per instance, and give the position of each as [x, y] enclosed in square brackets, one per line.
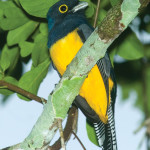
[79, 141]
[96, 14]
[21, 91]
[70, 125]
[63, 146]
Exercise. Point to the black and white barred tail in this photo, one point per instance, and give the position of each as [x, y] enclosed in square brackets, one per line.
[106, 133]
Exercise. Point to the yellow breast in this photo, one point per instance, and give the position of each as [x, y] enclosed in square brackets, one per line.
[93, 88]
[64, 50]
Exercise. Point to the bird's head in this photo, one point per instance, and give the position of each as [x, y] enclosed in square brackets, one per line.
[63, 8]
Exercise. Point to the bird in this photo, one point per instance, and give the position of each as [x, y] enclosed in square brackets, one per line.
[68, 29]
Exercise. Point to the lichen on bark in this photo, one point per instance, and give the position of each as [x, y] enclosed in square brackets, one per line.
[111, 26]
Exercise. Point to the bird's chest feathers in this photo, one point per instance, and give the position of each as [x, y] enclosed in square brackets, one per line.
[64, 50]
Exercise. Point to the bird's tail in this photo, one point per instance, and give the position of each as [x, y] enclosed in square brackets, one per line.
[106, 133]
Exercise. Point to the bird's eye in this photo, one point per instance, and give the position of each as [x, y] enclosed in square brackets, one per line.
[63, 8]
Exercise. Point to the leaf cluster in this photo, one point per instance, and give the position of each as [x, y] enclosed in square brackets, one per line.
[23, 37]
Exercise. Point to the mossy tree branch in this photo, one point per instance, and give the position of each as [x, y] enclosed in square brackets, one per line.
[116, 21]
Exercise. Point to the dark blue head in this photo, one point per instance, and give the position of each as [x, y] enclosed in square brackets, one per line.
[63, 17]
[60, 9]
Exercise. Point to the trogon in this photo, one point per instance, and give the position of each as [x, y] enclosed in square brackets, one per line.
[68, 30]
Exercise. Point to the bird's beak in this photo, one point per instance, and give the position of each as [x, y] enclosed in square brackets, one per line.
[81, 5]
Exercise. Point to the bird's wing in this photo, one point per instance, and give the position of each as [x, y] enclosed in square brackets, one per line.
[105, 132]
[104, 66]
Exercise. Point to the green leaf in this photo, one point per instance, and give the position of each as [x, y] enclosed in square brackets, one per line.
[35, 34]
[13, 55]
[131, 48]
[11, 80]
[112, 54]
[40, 50]
[26, 48]
[1, 76]
[91, 133]
[89, 11]
[21, 34]
[104, 3]
[31, 80]
[9, 58]
[101, 15]
[147, 51]
[1, 13]
[11, 16]
[4, 61]
[114, 2]
[37, 8]
[44, 29]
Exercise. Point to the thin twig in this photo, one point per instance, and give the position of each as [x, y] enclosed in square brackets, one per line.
[21, 91]
[96, 14]
[79, 140]
[139, 128]
[61, 134]
[71, 122]
[146, 123]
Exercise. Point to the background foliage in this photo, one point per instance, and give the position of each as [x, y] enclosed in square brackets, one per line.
[23, 37]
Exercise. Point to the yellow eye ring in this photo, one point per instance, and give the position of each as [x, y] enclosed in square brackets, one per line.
[63, 8]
